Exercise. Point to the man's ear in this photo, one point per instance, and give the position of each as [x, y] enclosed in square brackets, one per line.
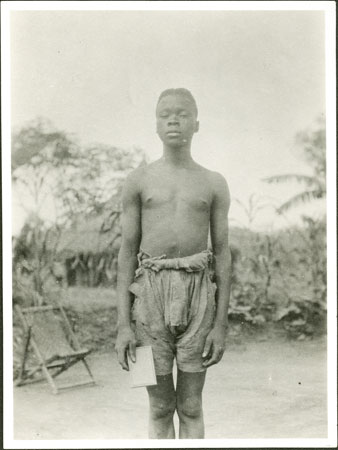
[197, 126]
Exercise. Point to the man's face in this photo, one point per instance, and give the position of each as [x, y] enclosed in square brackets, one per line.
[176, 120]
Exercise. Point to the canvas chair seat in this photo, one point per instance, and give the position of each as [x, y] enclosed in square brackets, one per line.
[56, 349]
[54, 360]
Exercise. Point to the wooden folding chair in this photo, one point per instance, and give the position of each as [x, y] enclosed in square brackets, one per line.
[55, 347]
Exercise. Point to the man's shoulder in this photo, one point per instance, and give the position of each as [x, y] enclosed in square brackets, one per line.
[218, 185]
[135, 179]
[136, 175]
[218, 179]
[132, 183]
[215, 178]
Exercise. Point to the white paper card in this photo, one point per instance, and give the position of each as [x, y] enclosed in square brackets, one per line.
[142, 372]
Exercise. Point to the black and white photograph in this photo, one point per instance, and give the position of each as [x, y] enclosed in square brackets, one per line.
[169, 220]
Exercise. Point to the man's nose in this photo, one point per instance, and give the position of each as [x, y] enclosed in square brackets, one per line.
[173, 120]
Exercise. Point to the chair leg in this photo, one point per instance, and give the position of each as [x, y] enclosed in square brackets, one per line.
[88, 369]
[43, 367]
[50, 379]
[25, 354]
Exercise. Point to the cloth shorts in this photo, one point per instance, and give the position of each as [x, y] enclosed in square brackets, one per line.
[174, 309]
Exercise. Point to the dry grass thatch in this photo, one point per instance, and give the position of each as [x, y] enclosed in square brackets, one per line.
[90, 235]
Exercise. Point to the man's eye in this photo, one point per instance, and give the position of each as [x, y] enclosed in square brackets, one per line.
[164, 115]
[183, 115]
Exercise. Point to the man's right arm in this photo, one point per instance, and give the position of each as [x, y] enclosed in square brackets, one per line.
[127, 264]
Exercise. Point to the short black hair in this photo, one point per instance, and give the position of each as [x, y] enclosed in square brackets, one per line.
[179, 91]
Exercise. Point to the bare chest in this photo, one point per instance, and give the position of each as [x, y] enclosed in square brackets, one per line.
[191, 193]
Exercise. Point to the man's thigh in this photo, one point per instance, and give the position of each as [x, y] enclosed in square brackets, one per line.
[162, 347]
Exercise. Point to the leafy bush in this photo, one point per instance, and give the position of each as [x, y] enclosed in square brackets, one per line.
[280, 278]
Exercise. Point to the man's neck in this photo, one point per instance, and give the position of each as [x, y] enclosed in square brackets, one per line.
[177, 156]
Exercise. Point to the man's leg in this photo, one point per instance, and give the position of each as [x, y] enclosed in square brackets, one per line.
[189, 404]
[162, 402]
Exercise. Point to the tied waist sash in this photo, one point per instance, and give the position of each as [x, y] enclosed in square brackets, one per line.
[173, 289]
[193, 263]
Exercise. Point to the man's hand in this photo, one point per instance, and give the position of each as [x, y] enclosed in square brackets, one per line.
[125, 344]
[214, 346]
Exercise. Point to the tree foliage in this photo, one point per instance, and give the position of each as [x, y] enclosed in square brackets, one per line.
[57, 172]
[73, 184]
[97, 179]
[39, 141]
[313, 146]
[45, 156]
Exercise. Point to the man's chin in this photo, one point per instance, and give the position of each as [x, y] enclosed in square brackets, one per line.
[175, 143]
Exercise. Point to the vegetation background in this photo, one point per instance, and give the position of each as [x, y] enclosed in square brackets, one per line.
[278, 277]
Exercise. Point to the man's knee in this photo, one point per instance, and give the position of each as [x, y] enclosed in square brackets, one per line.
[162, 409]
[190, 407]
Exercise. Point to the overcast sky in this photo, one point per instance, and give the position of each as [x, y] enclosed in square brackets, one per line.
[258, 78]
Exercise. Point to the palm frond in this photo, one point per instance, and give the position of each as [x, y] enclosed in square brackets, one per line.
[300, 178]
[303, 197]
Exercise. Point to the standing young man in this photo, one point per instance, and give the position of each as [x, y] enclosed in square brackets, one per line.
[164, 266]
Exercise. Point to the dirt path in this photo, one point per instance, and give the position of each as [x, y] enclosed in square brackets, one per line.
[259, 390]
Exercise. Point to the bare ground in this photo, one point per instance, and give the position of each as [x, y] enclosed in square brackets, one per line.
[271, 389]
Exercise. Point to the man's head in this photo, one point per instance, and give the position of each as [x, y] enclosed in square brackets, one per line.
[182, 92]
[176, 117]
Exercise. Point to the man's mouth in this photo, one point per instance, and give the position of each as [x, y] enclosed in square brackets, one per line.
[173, 133]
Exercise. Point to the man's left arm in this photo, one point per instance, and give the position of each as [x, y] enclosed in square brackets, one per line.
[215, 342]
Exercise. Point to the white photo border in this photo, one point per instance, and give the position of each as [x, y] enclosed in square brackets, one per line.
[330, 32]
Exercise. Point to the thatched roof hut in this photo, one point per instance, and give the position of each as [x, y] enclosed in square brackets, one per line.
[89, 248]
[95, 233]
[88, 236]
